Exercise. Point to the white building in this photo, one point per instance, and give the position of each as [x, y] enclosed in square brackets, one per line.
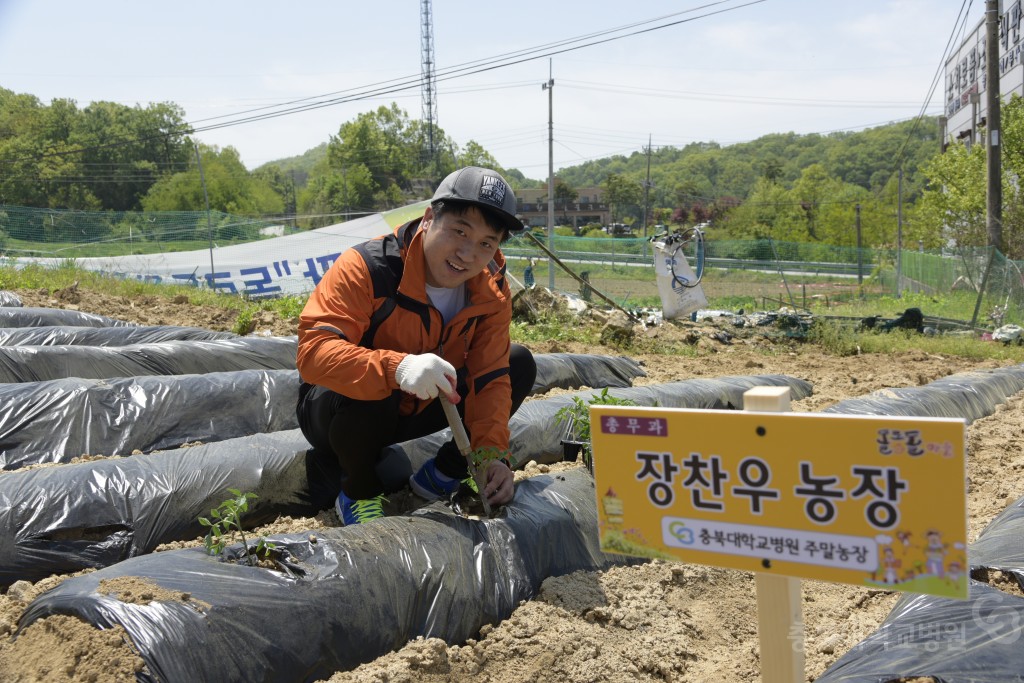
[965, 107]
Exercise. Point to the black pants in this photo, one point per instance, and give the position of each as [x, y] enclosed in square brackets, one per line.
[356, 432]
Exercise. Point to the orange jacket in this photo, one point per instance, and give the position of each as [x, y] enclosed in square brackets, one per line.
[333, 353]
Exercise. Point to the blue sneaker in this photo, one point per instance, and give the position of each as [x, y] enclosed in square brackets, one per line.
[431, 484]
[358, 511]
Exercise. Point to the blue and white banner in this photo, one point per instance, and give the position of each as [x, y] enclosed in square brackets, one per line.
[292, 264]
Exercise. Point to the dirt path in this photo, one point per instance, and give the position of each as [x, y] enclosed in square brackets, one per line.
[655, 622]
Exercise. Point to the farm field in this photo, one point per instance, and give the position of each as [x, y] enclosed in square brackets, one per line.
[658, 621]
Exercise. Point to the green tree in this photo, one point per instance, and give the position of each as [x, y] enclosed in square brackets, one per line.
[621, 192]
[812, 189]
[765, 214]
[231, 188]
[772, 169]
[332, 191]
[953, 203]
[126, 150]
[474, 154]
[952, 208]
[104, 156]
[564, 192]
[281, 182]
[385, 142]
[565, 195]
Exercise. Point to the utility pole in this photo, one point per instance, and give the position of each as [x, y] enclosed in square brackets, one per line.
[994, 196]
[550, 87]
[994, 189]
[647, 189]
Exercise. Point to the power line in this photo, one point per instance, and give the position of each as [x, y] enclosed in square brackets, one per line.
[406, 83]
[958, 26]
[735, 99]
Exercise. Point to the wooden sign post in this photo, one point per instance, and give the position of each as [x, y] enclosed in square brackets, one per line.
[779, 611]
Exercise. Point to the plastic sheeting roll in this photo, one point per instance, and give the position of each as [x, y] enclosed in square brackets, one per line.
[19, 316]
[970, 641]
[969, 395]
[1000, 545]
[362, 591]
[62, 419]
[38, 363]
[9, 299]
[928, 636]
[104, 336]
[93, 514]
[572, 370]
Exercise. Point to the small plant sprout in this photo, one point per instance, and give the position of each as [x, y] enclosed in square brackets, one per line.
[227, 522]
[482, 457]
[576, 417]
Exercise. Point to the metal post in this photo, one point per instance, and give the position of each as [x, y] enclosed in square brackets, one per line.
[899, 235]
[994, 196]
[344, 185]
[550, 86]
[209, 226]
[860, 261]
[647, 189]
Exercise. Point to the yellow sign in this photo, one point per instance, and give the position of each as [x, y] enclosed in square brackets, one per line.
[875, 501]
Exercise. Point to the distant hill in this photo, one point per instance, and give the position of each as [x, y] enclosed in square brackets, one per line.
[300, 165]
[707, 169]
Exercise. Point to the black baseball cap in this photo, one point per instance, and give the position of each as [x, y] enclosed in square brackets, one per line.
[483, 187]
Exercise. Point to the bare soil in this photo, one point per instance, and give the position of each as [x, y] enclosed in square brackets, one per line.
[659, 621]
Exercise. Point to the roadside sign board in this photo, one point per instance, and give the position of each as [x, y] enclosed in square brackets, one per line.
[864, 500]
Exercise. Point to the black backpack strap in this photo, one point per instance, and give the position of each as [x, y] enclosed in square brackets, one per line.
[379, 316]
[384, 261]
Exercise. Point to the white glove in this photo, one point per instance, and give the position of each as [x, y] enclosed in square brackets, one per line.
[425, 375]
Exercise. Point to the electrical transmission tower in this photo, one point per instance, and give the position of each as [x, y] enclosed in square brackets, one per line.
[428, 88]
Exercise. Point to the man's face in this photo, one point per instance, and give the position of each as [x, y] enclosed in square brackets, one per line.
[457, 247]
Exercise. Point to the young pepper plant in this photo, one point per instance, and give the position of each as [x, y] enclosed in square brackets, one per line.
[576, 417]
[228, 522]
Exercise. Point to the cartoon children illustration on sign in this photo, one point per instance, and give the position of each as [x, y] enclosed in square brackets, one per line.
[891, 565]
[935, 553]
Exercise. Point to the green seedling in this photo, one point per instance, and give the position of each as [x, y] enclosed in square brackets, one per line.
[227, 522]
[576, 417]
[482, 457]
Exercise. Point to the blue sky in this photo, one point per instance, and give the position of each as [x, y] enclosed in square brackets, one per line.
[751, 69]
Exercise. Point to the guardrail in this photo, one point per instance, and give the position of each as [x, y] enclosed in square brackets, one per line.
[725, 263]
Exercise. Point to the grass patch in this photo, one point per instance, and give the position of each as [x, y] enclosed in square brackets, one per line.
[844, 339]
[553, 329]
[67, 274]
[840, 338]
[955, 305]
[945, 345]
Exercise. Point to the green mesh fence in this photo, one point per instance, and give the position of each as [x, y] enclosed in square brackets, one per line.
[765, 275]
[79, 234]
[736, 272]
[978, 285]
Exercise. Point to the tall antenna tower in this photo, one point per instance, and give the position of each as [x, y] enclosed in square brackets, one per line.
[428, 87]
